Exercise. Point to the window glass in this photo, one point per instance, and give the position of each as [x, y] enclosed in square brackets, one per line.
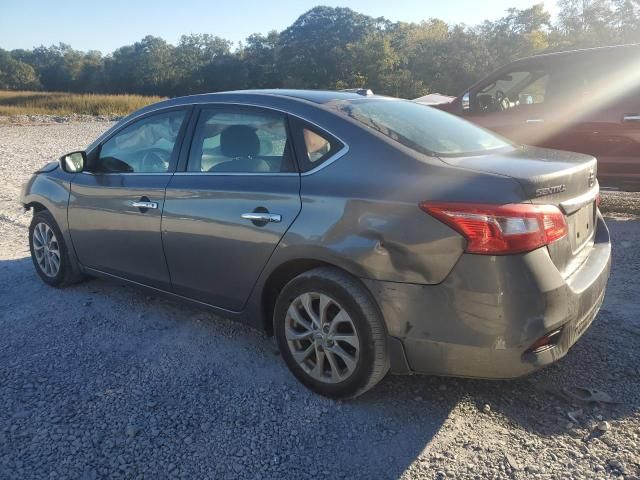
[146, 146]
[241, 142]
[420, 127]
[317, 147]
[512, 90]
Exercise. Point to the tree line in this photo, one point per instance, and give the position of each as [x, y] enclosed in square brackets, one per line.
[330, 48]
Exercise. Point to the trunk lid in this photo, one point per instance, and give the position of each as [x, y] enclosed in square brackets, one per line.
[550, 177]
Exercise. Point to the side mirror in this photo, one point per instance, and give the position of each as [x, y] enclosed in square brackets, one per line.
[466, 102]
[73, 162]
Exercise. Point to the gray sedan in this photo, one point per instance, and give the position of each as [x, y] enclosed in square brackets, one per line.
[368, 234]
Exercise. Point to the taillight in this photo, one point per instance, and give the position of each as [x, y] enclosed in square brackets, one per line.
[501, 229]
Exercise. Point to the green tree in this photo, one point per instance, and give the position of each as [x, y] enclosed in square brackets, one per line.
[260, 57]
[16, 75]
[520, 33]
[312, 52]
[146, 67]
[194, 52]
[626, 18]
[586, 23]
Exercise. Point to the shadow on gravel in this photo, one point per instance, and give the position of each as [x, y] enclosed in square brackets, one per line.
[126, 384]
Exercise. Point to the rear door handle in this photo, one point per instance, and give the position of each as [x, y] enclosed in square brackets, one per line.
[144, 204]
[262, 217]
[632, 118]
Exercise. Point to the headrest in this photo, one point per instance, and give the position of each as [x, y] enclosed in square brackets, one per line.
[239, 141]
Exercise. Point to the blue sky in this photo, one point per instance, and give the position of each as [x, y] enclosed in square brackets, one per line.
[106, 25]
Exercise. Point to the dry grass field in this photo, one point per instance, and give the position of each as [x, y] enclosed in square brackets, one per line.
[59, 103]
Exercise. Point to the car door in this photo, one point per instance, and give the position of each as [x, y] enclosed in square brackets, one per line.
[617, 143]
[115, 206]
[225, 214]
[604, 119]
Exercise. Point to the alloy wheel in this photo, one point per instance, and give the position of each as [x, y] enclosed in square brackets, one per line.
[322, 337]
[46, 249]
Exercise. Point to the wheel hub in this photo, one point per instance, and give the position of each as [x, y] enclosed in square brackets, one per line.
[322, 337]
[46, 249]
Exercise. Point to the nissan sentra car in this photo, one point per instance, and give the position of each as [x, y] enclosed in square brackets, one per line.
[368, 234]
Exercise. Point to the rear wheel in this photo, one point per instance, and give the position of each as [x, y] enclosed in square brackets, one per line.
[49, 251]
[331, 333]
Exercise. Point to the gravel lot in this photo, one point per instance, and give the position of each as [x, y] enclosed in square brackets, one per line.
[101, 380]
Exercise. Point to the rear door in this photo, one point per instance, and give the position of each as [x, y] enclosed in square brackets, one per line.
[226, 212]
[606, 119]
[620, 164]
[115, 206]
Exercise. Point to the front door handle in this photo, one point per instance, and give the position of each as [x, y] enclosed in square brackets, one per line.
[144, 205]
[261, 217]
[535, 120]
[632, 118]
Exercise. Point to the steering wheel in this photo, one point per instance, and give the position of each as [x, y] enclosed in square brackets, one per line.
[502, 100]
[155, 161]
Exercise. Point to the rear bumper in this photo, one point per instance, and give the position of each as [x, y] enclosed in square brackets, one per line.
[482, 319]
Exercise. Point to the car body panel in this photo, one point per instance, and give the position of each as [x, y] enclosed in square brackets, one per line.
[49, 188]
[491, 309]
[214, 255]
[110, 234]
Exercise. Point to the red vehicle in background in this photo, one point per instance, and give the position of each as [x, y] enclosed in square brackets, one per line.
[585, 101]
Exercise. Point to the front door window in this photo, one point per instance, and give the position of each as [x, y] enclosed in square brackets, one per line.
[511, 91]
[146, 146]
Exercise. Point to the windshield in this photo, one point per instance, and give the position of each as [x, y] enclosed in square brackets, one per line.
[421, 128]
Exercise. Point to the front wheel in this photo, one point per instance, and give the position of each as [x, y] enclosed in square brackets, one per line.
[49, 251]
[331, 333]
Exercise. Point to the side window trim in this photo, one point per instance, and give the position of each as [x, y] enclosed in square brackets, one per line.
[179, 144]
[306, 167]
[190, 136]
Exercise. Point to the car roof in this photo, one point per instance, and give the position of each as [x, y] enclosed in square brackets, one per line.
[611, 49]
[318, 97]
[266, 98]
[281, 99]
[315, 96]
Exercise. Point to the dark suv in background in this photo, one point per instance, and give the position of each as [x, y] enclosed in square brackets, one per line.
[585, 101]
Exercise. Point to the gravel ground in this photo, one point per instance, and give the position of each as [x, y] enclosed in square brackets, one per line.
[103, 381]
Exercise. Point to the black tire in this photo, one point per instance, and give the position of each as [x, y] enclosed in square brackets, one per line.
[373, 359]
[66, 274]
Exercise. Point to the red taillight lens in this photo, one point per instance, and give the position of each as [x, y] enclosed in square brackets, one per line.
[501, 229]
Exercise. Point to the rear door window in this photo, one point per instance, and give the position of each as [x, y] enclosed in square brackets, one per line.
[240, 140]
[314, 146]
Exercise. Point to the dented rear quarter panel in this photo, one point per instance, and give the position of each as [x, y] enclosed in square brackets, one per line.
[361, 213]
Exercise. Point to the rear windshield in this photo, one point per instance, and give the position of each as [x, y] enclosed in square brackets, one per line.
[423, 129]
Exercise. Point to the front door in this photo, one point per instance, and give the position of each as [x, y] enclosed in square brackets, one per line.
[224, 216]
[115, 206]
